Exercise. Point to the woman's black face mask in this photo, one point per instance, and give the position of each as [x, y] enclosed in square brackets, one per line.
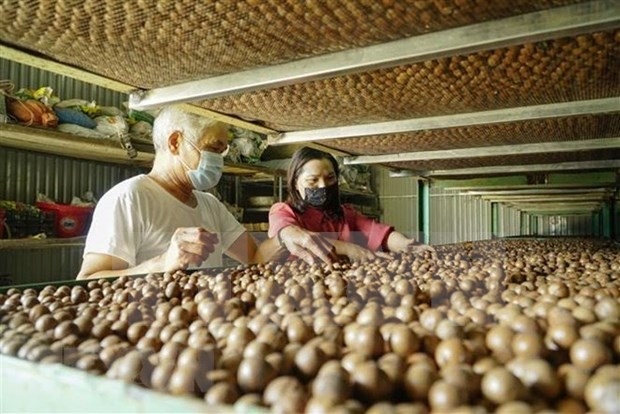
[320, 197]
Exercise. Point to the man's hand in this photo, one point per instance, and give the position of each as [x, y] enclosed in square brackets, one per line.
[189, 246]
[307, 245]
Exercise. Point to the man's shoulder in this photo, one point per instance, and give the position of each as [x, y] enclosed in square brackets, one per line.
[207, 197]
[130, 187]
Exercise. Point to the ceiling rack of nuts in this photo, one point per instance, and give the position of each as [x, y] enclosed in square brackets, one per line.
[468, 92]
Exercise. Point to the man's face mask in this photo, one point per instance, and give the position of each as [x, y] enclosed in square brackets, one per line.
[319, 197]
[209, 170]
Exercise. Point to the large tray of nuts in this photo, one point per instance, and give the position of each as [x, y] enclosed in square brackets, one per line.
[494, 326]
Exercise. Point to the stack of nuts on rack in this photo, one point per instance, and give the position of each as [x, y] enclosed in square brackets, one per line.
[506, 326]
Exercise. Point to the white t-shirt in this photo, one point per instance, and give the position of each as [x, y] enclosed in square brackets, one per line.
[136, 219]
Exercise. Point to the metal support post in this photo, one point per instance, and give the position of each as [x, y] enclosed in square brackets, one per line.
[424, 211]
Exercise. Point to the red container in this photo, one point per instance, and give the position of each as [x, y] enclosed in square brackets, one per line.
[71, 221]
[2, 216]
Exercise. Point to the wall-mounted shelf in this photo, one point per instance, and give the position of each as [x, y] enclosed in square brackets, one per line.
[252, 172]
[59, 143]
[257, 209]
[103, 150]
[354, 192]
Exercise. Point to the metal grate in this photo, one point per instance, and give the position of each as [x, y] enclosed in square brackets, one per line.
[513, 133]
[561, 70]
[509, 160]
[150, 44]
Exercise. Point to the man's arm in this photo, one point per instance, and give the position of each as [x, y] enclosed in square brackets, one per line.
[98, 265]
[244, 249]
[188, 246]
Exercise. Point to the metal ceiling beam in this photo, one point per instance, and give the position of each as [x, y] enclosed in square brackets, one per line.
[531, 27]
[579, 212]
[572, 210]
[543, 197]
[569, 212]
[539, 191]
[521, 149]
[507, 169]
[511, 189]
[543, 202]
[522, 182]
[523, 113]
[558, 206]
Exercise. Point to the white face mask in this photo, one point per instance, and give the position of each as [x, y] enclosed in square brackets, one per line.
[208, 172]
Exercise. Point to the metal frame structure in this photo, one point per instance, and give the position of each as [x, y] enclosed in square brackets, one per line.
[573, 20]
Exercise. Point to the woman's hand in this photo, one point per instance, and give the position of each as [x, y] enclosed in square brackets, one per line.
[420, 248]
[357, 253]
[397, 242]
[307, 245]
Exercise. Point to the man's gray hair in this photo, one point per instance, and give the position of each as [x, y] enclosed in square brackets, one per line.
[173, 118]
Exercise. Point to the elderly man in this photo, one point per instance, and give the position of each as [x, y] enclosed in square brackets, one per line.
[164, 221]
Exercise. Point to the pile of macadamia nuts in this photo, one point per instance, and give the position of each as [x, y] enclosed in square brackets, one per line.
[506, 326]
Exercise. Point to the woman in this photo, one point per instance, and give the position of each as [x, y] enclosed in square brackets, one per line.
[312, 223]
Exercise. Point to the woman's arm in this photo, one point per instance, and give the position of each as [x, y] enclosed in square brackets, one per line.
[398, 242]
[270, 250]
[354, 252]
[305, 244]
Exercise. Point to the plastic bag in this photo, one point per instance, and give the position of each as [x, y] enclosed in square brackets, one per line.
[356, 177]
[81, 131]
[111, 111]
[246, 146]
[32, 112]
[74, 116]
[142, 129]
[111, 125]
[89, 108]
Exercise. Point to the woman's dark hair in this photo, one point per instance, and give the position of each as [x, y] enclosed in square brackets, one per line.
[299, 159]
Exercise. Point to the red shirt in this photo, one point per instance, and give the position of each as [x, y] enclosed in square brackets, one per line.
[355, 227]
